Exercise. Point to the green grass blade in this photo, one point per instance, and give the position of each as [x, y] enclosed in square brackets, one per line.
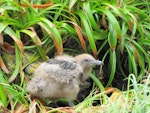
[89, 31]
[3, 96]
[112, 19]
[112, 38]
[88, 11]
[17, 66]
[98, 83]
[37, 41]
[131, 59]
[33, 10]
[53, 32]
[143, 51]
[102, 46]
[67, 27]
[141, 62]
[33, 35]
[112, 65]
[3, 26]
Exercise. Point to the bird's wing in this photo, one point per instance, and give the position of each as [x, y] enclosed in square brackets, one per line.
[63, 63]
[61, 70]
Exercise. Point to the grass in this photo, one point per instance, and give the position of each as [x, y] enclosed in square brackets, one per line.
[115, 31]
[134, 100]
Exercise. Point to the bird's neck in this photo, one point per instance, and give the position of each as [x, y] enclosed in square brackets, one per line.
[86, 73]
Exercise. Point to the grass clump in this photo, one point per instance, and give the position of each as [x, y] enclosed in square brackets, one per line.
[134, 100]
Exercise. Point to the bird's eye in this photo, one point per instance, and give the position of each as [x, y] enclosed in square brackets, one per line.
[87, 60]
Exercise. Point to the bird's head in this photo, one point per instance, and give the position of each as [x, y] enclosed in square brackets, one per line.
[87, 61]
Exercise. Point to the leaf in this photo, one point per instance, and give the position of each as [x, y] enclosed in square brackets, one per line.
[4, 110]
[8, 48]
[112, 38]
[33, 35]
[131, 59]
[135, 23]
[94, 109]
[79, 33]
[109, 90]
[89, 31]
[89, 15]
[112, 65]
[21, 108]
[3, 66]
[98, 83]
[53, 32]
[13, 35]
[66, 109]
[3, 26]
[112, 19]
[17, 66]
[3, 96]
[36, 40]
[1, 40]
[71, 4]
[143, 51]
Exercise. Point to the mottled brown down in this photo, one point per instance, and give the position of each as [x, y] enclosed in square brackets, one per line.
[61, 76]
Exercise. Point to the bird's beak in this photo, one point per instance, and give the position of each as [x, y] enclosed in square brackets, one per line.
[97, 62]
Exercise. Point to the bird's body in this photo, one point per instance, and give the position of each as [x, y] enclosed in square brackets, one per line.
[59, 77]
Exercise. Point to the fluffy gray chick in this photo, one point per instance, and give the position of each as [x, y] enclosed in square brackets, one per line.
[61, 77]
[56, 78]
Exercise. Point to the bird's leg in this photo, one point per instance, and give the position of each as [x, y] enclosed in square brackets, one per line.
[55, 103]
[71, 104]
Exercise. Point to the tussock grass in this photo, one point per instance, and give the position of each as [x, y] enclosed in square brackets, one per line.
[115, 31]
[134, 100]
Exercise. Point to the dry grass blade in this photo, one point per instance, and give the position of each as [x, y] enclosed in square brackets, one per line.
[66, 110]
[35, 37]
[4, 110]
[21, 108]
[3, 66]
[71, 4]
[8, 48]
[79, 33]
[1, 39]
[54, 34]
[13, 35]
[38, 5]
[89, 31]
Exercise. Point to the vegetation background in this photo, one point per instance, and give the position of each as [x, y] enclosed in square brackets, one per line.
[115, 31]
